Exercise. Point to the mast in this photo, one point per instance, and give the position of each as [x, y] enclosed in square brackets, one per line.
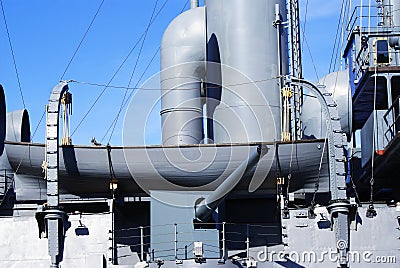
[296, 67]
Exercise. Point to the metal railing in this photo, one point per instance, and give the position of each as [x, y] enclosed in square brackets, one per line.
[175, 245]
[6, 183]
[363, 15]
[367, 18]
[392, 120]
[367, 56]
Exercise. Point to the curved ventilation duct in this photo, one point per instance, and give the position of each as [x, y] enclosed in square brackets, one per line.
[182, 72]
[18, 126]
[2, 119]
[314, 124]
[243, 41]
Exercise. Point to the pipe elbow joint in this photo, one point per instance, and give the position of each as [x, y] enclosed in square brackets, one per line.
[202, 211]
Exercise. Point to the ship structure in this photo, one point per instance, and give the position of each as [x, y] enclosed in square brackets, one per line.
[258, 167]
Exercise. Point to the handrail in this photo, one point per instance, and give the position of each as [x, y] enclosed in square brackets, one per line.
[355, 15]
[392, 128]
[372, 13]
[182, 247]
[6, 184]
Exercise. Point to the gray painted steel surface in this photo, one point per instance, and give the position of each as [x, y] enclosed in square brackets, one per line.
[314, 120]
[296, 67]
[339, 205]
[23, 248]
[52, 143]
[18, 126]
[84, 170]
[395, 13]
[204, 210]
[373, 137]
[183, 52]
[336, 141]
[53, 216]
[163, 218]
[242, 38]
[391, 13]
[374, 236]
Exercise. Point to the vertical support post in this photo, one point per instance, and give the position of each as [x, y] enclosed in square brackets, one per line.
[176, 241]
[247, 242]
[5, 181]
[113, 244]
[55, 218]
[185, 252]
[223, 241]
[141, 244]
[152, 254]
[296, 67]
[277, 24]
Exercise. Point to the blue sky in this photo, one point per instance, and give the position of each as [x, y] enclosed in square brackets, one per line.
[45, 34]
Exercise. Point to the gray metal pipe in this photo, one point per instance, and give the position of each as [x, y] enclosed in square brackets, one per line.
[18, 126]
[314, 120]
[194, 3]
[182, 72]
[207, 206]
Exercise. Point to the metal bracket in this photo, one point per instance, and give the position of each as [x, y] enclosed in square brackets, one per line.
[53, 224]
[42, 217]
[53, 221]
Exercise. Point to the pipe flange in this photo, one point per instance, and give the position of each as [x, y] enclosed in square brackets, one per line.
[339, 205]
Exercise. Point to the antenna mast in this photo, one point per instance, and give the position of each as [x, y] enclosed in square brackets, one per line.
[296, 67]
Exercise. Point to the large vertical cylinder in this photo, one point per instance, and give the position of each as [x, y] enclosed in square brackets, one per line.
[246, 40]
[182, 73]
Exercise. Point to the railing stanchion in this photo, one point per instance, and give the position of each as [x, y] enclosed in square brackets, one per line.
[176, 241]
[5, 182]
[141, 244]
[186, 252]
[223, 242]
[247, 242]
